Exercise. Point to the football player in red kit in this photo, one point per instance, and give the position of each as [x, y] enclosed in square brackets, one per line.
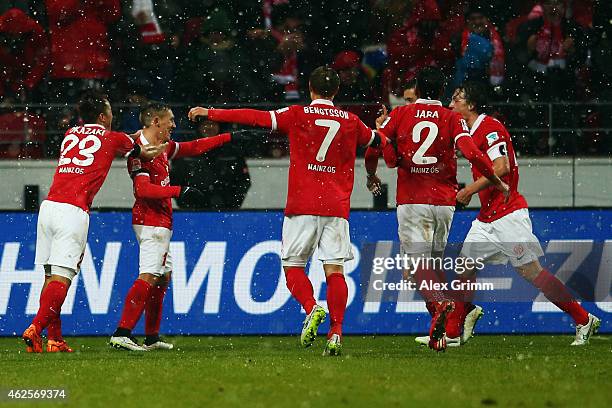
[152, 222]
[427, 134]
[323, 141]
[503, 232]
[86, 155]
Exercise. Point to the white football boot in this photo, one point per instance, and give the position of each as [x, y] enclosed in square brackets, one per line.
[450, 341]
[158, 345]
[125, 343]
[470, 322]
[333, 346]
[584, 332]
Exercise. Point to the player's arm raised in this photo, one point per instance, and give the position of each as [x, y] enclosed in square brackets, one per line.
[249, 117]
[465, 144]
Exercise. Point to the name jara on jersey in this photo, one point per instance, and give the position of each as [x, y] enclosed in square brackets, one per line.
[425, 114]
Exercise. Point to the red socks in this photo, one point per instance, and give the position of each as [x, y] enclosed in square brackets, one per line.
[556, 292]
[337, 295]
[134, 304]
[51, 301]
[153, 309]
[54, 330]
[300, 287]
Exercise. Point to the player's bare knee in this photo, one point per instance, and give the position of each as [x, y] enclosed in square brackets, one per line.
[150, 278]
[62, 274]
[530, 270]
[335, 267]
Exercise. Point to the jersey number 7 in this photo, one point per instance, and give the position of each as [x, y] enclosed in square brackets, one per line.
[332, 129]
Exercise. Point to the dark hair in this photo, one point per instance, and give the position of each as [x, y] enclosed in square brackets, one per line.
[430, 83]
[151, 110]
[91, 104]
[409, 84]
[325, 81]
[476, 94]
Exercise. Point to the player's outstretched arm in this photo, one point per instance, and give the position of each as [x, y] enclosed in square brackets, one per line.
[249, 117]
[199, 146]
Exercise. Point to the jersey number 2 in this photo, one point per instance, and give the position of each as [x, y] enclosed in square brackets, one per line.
[432, 132]
[86, 149]
[332, 129]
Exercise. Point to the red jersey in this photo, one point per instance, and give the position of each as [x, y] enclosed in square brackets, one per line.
[153, 205]
[86, 155]
[155, 212]
[426, 133]
[322, 150]
[490, 136]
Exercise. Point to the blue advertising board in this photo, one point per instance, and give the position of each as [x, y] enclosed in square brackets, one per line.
[227, 276]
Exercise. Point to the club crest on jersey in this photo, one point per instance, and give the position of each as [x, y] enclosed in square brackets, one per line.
[425, 114]
[492, 137]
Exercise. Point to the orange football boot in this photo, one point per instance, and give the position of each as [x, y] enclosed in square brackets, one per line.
[55, 346]
[32, 340]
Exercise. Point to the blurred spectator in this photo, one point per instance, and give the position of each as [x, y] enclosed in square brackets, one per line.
[24, 54]
[419, 43]
[21, 133]
[354, 84]
[287, 31]
[80, 49]
[221, 174]
[148, 55]
[481, 50]
[553, 46]
[212, 67]
[80, 53]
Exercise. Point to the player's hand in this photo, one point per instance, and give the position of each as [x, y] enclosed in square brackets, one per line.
[374, 184]
[149, 152]
[505, 189]
[381, 119]
[464, 196]
[196, 112]
[135, 135]
[191, 194]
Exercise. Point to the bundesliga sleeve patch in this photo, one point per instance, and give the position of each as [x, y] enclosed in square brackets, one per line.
[136, 165]
[492, 138]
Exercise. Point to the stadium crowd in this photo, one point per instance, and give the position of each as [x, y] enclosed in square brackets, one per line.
[213, 52]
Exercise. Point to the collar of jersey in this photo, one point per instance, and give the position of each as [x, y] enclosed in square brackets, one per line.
[322, 102]
[143, 140]
[94, 124]
[477, 123]
[428, 102]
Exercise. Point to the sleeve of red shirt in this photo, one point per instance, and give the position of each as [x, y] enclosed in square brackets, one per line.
[389, 127]
[143, 188]
[123, 143]
[199, 146]
[465, 144]
[249, 117]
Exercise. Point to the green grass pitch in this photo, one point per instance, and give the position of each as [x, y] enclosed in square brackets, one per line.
[374, 371]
